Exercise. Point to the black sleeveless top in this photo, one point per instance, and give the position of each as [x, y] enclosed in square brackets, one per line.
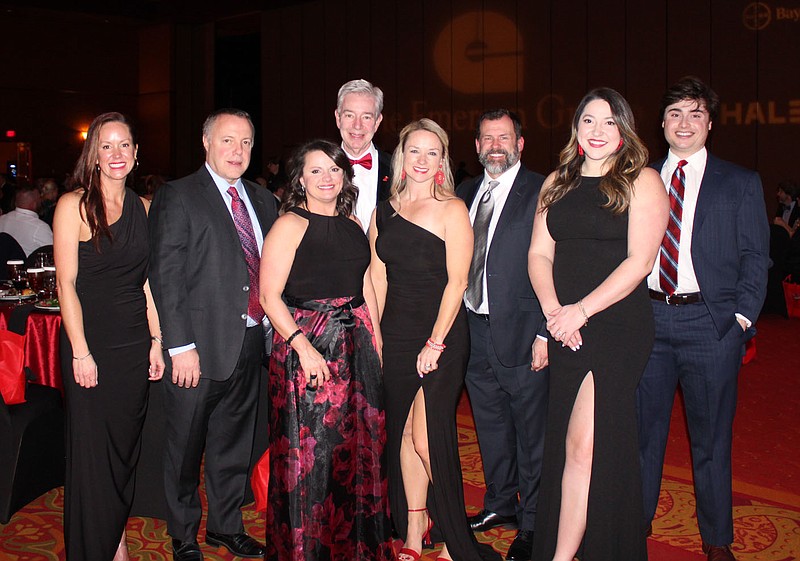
[331, 259]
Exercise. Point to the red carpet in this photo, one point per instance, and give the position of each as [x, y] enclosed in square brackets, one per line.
[766, 468]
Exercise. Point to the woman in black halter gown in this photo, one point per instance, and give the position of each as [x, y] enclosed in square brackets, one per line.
[601, 218]
[421, 250]
[327, 486]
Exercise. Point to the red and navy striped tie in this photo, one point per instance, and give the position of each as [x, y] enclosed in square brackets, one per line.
[670, 246]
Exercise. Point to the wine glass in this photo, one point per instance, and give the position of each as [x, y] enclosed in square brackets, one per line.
[20, 282]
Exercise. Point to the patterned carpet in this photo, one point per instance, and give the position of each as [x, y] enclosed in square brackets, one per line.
[766, 492]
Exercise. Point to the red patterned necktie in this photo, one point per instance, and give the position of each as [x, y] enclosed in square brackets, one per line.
[365, 161]
[670, 245]
[244, 227]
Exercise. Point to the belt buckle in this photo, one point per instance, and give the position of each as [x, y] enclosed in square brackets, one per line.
[666, 298]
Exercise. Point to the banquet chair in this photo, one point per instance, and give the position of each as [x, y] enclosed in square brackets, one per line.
[9, 249]
[32, 454]
[30, 261]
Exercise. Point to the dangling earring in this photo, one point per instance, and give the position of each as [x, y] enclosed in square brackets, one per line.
[580, 150]
[403, 175]
[621, 142]
[97, 168]
[135, 164]
[438, 179]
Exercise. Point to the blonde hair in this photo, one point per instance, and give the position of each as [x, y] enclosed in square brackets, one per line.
[445, 191]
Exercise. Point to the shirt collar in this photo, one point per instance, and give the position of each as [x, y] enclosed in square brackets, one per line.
[696, 161]
[506, 178]
[223, 184]
[372, 150]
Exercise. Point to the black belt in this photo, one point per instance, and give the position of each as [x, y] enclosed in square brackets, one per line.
[676, 299]
[484, 317]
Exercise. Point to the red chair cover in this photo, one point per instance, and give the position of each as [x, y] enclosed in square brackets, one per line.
[259, 481]
[791, 292]
[12, 373]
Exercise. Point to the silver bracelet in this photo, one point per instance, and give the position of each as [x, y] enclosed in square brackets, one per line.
[82, 357]
[585, 317]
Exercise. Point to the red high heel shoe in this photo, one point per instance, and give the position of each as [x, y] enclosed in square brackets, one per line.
[410, 554]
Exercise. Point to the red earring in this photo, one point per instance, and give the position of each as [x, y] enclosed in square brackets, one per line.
[439, 178]
[580, 150]
[403, 174]
[621, 142]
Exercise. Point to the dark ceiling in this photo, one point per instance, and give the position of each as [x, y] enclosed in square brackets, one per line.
[175, 11]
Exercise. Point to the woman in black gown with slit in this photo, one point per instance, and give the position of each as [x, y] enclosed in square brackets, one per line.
[601, 218]
[421, 250]
[110, 339]
[327, 487]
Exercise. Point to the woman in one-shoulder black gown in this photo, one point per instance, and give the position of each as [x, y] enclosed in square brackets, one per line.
[327, 485]
[600, 222]
[422, 246]
[110, 334]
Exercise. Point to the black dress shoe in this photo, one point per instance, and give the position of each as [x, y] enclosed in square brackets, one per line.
[718, 552]
[186, 551]
[522, 547]
[486, 520]
[240, 545]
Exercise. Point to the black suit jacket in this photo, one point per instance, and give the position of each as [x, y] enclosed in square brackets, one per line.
[730, 242]
[384, 176]
[198, 274]
[516, 314]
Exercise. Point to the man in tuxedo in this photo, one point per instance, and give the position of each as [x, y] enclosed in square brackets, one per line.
[507, 331]
[707, 288]
[206, 234]
[358, 116]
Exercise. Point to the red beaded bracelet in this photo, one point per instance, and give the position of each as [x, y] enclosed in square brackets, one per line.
[430, 343]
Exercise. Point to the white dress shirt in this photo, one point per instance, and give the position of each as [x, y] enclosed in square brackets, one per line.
[694, 170]
[27, 228]
[500, 195]
[366, 181]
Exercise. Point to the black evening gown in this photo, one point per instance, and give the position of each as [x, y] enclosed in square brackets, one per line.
[104, 423]
[327, 483]
[416, 272]
[590, 243]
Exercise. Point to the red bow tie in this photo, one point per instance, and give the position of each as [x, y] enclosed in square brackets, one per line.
[365, 161]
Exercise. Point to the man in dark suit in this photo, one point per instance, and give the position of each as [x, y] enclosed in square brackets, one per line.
[206, 233]
[359, 107]
[707, 288]
[507, 331]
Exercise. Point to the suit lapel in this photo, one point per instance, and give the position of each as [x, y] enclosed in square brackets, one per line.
[469, 195]
[208, 190]
[258, 206]
[512, 201]
[708, 188]
[384, 178]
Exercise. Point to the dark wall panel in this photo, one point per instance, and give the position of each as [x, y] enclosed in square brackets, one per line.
[448, 60]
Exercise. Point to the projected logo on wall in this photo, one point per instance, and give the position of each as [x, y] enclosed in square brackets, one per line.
[756, 16]
[480, 52]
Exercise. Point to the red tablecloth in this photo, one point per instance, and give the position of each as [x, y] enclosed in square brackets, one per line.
[41, 342]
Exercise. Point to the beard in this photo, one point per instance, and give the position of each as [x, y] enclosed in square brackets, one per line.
[496, 167]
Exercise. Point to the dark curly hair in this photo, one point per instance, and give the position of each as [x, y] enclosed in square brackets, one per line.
[296, 194]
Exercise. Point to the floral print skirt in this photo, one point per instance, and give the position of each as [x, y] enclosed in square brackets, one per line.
[327, 485]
